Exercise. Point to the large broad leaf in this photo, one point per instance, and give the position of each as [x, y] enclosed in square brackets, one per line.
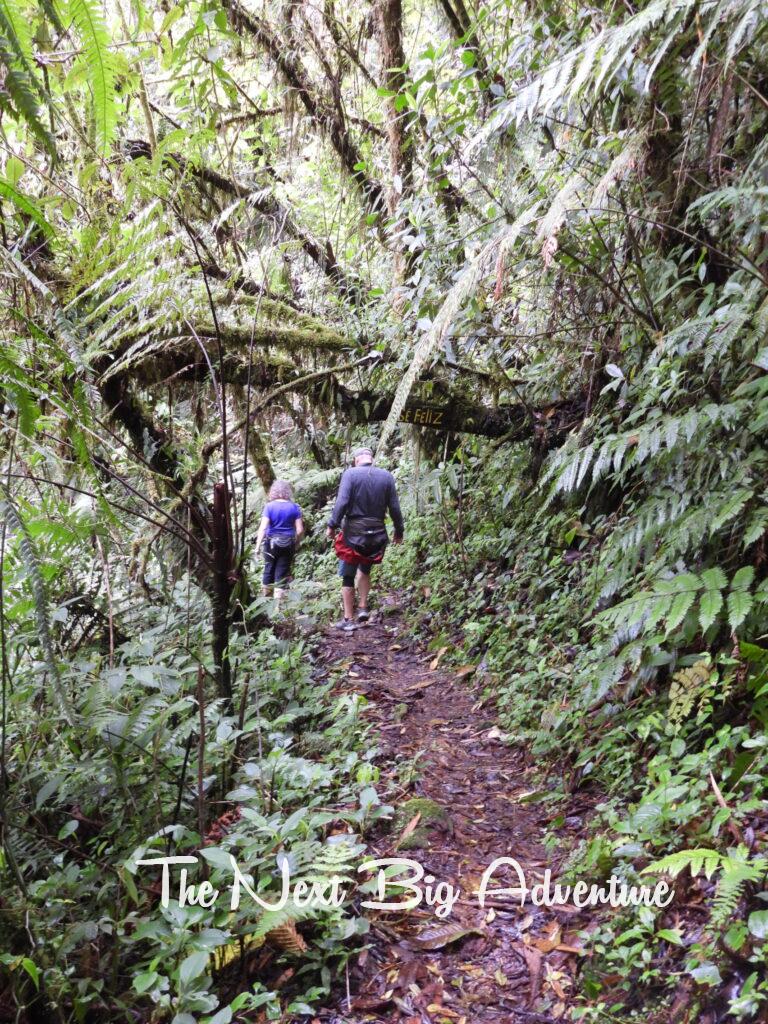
[192, 967]
[706, 974]
[758, 924]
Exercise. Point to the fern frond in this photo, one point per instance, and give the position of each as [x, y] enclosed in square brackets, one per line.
[31, 563]
[674, 863]
[26, 206]
[621, 165]
[21, 91]
[737, 874]
[88, 17]
[282, 921]
[16, 26]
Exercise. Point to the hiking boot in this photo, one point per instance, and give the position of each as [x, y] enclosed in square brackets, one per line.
[363, 615]
[346, 624]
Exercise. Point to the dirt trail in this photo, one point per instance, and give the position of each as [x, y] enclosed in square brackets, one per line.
[519, 964]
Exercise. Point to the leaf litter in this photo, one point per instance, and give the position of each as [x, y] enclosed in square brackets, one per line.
[500, 964]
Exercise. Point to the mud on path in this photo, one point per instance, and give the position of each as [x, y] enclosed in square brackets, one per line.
[438, 743]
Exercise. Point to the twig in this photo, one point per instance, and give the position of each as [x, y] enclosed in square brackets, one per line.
[200, 757]
[733, 828]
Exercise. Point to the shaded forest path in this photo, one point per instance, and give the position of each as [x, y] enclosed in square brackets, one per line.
[445, 761]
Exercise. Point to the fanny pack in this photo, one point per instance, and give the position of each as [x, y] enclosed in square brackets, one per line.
[366, 536]
[281, 542]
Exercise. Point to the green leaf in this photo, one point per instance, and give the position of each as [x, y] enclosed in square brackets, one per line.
[677, 749]
[31, 563]
[48, 789]
[32, 970]
[16, 24]
[757, 922]
[68, 828]
[739, 604]
[144, 982]
[216, 856]
[714, 578]
[88, 17]
[673, 935]
[21, 92]
[368, 798]
[706, 974]
[192, 967]
[743, 578]
[709, 606]
[224, 1016]
[679, 609]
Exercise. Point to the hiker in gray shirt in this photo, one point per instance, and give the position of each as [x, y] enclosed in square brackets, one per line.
[356, 526]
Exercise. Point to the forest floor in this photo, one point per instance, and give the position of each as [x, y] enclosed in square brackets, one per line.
[448, 764]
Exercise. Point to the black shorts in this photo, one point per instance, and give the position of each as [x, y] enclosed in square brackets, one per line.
[278, 563]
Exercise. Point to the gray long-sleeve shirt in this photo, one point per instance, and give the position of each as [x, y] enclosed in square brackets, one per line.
[367, 491]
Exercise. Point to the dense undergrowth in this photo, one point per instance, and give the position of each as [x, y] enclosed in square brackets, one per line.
[159, 767]
[620, 633]
[236, 238]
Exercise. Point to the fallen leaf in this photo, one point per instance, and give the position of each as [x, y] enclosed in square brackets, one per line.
[472, 970]
[494, 734]
[557, 981]
[533, 960]
[436, 938]
[436, 660]
[370, 1002]
[465, 670]
[549, 942]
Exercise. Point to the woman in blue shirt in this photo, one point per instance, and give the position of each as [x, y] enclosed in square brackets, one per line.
[280, 529]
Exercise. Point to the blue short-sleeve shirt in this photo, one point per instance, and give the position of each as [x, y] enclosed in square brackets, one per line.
[282, 516]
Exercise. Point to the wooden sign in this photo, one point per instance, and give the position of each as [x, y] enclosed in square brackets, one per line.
[427, 416]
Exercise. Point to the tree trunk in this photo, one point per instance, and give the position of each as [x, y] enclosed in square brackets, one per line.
[389, 17]
[223, 584]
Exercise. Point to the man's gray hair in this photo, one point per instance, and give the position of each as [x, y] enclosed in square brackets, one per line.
[358, 453]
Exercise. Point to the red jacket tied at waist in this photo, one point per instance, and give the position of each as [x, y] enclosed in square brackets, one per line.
[348, 554]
